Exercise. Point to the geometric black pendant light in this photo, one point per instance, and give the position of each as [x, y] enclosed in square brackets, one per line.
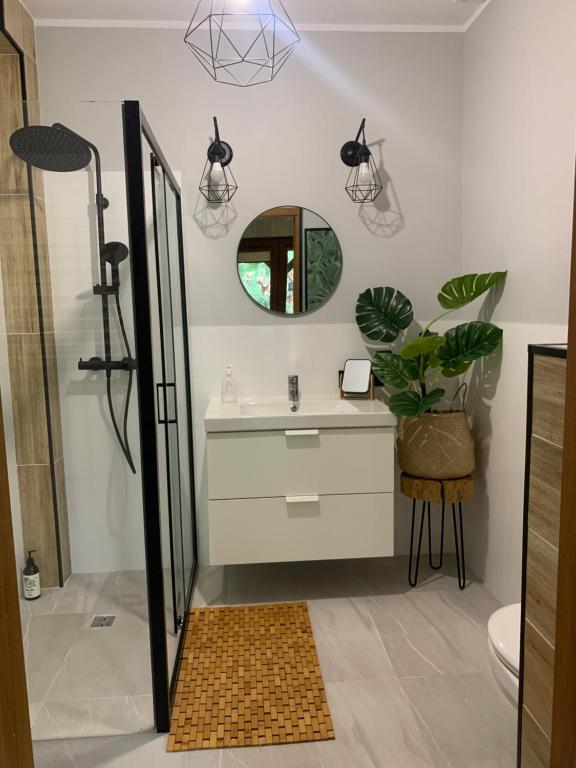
[241, 42]
[364, 183]
[218, 184]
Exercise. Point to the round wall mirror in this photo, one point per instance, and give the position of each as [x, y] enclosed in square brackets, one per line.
[289, 261]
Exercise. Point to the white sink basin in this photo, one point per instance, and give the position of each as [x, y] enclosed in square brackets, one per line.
[315, 412]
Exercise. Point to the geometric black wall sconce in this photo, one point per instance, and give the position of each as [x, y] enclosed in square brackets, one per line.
[218, 184]
[364, 183]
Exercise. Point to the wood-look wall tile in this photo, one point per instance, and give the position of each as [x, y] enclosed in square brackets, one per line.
[17, 265]
[6, 46]
[13, 172]
[549, 396]
[38, 523]
[31, 71]
[63, 525]
[12, 19]
[541, 585]
[538, 678]
[545, 490]
[54, 395]
[33, 109]
[44, 271]
[10, 89]
[536, 748]
[28, 32]
[28, 398]
[37, 173]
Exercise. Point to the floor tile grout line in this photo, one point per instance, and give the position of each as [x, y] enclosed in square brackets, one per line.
[101, 698]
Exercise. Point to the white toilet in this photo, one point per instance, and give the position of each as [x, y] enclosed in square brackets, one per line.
[504, 648]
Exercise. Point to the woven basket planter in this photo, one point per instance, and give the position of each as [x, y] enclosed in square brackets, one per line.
[437, 445]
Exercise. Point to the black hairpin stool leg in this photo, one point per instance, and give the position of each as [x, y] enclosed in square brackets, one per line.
[431, 561]
[459, 543]
[413, 572]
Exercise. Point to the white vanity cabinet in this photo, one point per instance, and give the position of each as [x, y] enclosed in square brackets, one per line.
[295, 491]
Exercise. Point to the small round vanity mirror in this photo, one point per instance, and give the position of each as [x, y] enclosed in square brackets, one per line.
[289, 260]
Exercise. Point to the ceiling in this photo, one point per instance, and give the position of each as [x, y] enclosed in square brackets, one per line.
[347, 13]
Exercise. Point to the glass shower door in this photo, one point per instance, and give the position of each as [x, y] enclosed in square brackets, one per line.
[164, 397]
[172, 406]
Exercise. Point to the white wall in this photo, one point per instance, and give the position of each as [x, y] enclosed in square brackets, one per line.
[287, 138]
[104, 498]
[518, 177]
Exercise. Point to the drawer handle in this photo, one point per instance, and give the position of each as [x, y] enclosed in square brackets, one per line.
[302, 499]
[302, 432]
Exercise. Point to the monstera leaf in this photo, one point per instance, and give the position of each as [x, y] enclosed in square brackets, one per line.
[463, 290]
[465, 344]
[393, 371]
[422, 346]
[382, 313]
[413, 403]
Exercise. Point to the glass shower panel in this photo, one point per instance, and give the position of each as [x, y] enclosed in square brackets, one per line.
[167, 391]
[155, 226]
[183, 406]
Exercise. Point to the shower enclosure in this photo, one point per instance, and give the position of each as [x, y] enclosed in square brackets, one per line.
[103, 270]
[159, 298]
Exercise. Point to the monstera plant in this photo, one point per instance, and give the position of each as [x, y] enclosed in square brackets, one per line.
[384, 314]
[431, 444]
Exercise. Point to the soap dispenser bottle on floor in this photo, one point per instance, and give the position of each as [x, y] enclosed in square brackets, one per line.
[31, 578]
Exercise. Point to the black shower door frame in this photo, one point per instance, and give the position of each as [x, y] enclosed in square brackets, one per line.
[136, 127]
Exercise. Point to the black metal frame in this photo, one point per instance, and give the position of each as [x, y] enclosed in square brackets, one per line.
[458, 526]
[550, 350]
[136, 128]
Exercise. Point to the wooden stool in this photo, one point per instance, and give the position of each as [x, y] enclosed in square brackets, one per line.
[445, 492]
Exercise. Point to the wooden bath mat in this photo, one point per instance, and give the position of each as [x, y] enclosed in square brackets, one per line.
[249, 676]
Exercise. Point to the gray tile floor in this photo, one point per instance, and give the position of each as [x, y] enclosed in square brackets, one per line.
[84, 681]
[406, 673]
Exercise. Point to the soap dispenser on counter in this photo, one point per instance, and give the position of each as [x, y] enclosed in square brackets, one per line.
[31, 578]
[229, 389]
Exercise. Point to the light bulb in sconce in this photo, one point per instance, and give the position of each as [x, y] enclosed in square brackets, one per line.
[217, 178]
[364, 174]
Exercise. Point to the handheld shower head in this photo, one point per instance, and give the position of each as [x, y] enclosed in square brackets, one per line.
[51, 148]
[113, 253]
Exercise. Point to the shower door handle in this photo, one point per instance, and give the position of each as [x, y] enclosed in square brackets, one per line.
[162, 403]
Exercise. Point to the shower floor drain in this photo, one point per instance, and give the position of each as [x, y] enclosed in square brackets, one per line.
[103, 621]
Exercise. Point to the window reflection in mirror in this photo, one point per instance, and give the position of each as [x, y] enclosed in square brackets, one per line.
[289, 260]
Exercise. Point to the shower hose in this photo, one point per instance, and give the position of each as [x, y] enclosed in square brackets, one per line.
[122, 436]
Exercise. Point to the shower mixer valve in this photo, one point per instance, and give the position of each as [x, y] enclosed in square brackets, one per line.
[97, 364]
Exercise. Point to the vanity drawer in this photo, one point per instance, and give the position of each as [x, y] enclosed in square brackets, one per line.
[276, 530]
[297, 462]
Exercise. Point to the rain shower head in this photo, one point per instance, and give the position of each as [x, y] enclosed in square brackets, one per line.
[114, 253]
[51, 148]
